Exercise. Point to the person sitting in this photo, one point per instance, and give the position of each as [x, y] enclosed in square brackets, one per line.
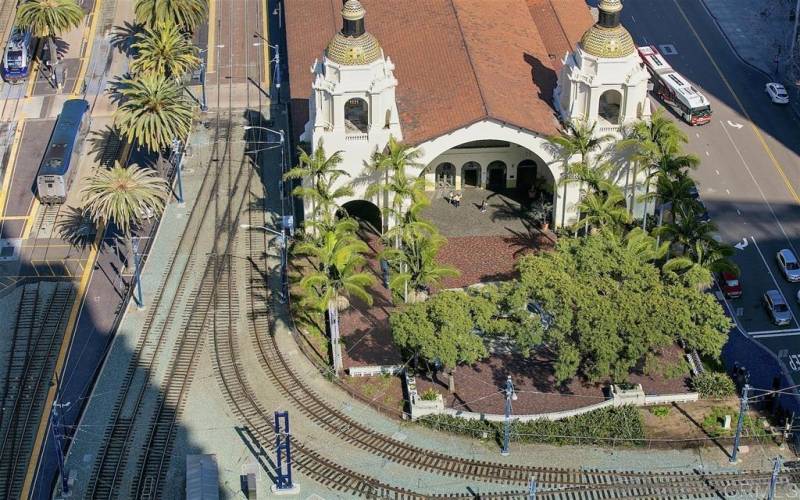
[457, 199]
[483, 206]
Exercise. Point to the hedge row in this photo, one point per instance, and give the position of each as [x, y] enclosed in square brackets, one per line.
[608, 426]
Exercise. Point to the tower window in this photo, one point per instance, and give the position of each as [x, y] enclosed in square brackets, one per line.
[356, 116]
[609, 106]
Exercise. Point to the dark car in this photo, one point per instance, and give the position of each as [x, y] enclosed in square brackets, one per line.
[730, 285]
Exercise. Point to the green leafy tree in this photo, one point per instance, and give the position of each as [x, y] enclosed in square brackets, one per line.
[704, 259]
[639, 243]
[165, 51]
[414, 263]
[688, 230]
[611, 307]
[153, 112]
[443, 330]
[675, 192]
[123, 196]
[49, 19]
[185, 14]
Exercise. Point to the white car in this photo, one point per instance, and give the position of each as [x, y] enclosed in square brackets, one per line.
[777, 93]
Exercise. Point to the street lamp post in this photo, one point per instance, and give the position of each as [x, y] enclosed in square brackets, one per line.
[282, 142]
[57, 430]
[740, 422]
[510, 396]
[276, 60]
[277, 12]
[282, 241]
[176, 158]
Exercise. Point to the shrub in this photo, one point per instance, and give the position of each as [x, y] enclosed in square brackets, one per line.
[607, 426]
[430, 395]
[713, 385]
[660, 411]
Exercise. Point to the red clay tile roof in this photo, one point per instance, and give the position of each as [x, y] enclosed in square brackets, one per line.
[457, 61]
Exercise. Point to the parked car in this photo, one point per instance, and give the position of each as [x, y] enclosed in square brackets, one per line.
[777, 93]
[777, 308]
[730, 285]
[787, 261]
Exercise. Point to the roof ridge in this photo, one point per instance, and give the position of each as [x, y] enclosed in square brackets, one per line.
[560, 24]
[469, 58]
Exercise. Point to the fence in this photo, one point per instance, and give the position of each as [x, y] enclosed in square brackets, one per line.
[371, 371]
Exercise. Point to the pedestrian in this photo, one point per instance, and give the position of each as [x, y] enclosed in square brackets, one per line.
[452, 197]
[457, 200]
[483, 206]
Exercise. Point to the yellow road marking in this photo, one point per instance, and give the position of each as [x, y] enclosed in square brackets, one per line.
[265, 48]
[33, 75]
[62, 356]
[212, 34]
[760, 137]
[15, 217]
[90, 44]
[26, 233]
[12, 162]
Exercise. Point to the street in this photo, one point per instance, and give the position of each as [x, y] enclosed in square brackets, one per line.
[749, 159]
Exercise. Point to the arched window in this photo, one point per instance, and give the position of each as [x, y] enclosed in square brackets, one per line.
[445, 175]
[356, 116]
[609, 107]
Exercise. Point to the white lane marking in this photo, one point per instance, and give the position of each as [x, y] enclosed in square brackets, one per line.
[717, 171]
[777, 286]
[734, 124]
[708, 154]
[697, 134]
[727, 190]
[760, 191]
[633, 19]
[739, 212]
[774, 333]
[742, 245]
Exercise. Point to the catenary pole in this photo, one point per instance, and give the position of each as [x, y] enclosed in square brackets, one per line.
[740, 422]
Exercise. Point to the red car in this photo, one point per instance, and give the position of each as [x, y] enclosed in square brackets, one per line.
[730, 285]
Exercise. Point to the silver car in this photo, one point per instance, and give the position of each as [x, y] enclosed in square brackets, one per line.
[789, 265]
[777, 308]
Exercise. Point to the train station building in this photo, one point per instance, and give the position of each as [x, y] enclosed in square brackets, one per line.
[477, 86]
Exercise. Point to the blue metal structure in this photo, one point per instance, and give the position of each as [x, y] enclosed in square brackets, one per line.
[55, 172]
[17, 56]
[283, 452]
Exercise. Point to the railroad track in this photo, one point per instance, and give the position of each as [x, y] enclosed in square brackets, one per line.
[37, 333]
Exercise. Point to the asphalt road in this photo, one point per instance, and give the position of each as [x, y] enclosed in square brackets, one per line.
[750, 173]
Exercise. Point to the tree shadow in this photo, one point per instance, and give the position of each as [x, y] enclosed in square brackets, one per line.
[116, 86]
[77, 228]
[123, 37]
[104, 146]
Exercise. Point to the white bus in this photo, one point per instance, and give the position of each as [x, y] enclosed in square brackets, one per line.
[674, 90]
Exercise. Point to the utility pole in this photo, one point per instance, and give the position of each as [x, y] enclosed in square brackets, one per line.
[176, 158]
[137, 272]
[740, 422]
[532, 489]
[283, 455]
[203, 104]
[794, 31]
[773, 482]
[510, 396]
[57, 430]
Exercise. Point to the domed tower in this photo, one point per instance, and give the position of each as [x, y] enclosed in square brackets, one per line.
[604, 80]
[352, 106]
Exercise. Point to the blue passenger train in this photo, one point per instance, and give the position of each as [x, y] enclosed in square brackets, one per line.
[18, 55]
[57, 170]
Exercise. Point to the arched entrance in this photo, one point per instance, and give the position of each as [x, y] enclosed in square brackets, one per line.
[609, 106]
[445, 175]
[496, 176]
[526, 175]
[471, 174]
[365, 212]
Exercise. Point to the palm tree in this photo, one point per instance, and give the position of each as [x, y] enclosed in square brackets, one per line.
[49, 19]
[674, 165]
[675, 192]
[650, 143]
[579, 138]
[165, 51]
[324, 197]
[705, 258]
[686, 231]
[123, 195]
[414, 263]
[604, 210]
[154, 111]
[339, 260]
[401, 191]
[644, 246]
[185, 14]
[396, 157]
[315, 167]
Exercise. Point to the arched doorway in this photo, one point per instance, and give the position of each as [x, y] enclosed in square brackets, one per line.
[365, 212]
[471, 174]
[526, 177]
[356, 116]
[496, 176]
[445, 175]
[609, 106]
